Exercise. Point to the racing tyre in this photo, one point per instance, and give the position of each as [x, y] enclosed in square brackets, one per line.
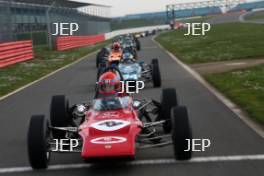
[138, 45]
[103, 62]
[98, 57]
[168, 101]
[135, 54]
[156, 73]
[59, 116]
[181, 131]
[37, 139]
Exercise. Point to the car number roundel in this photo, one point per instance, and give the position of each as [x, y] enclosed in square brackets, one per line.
[110, 125]
[108, 140]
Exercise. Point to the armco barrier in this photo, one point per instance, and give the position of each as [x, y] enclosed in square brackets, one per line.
[69, 42]
[14, 52]
[64, 43]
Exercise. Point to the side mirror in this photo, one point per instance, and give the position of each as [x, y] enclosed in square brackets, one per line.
[80, 110]
[136, 104]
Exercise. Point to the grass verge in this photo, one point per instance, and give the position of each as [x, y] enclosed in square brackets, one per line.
[245, 87]
[226, 42]
[45, 62]
[223, 42]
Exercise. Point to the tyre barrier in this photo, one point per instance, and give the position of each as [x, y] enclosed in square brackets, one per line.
[14, 52]
[69, 42]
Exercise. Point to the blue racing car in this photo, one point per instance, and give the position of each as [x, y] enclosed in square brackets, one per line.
[132, 70]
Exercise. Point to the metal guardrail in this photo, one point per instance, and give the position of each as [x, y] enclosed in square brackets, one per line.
[14, 52]
[64, 43]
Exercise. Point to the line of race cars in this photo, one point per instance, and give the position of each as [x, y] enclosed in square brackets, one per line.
[114, 124]
[123, 55]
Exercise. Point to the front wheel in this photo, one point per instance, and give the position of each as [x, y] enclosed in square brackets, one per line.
[38, 138]
[168, 101]
[156, 78]
[181, 133]
[138, 45]
[59, 115]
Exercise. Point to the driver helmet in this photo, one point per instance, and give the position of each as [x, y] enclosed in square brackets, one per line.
[127, 57]
[116, 46]
[109, 84]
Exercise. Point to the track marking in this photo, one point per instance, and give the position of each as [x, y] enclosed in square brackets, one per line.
[46, 76]
[235, 64]
[232, 106]
[243, 20]
[211, 159]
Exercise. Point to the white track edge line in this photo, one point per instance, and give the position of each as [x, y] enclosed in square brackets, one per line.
[232, 106]
[143, 162]
[46, 76]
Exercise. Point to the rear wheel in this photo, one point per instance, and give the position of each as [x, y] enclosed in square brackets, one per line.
[98, 57]
[181, 131]
[38, 138]
[156, 78]
[168, 101]
[135, 54]
[103, 63]
[59, 115]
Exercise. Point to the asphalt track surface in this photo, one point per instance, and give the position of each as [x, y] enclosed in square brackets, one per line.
[210, 119]
[226, 18]
[248, 14]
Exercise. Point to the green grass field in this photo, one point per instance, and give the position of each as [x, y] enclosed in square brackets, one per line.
[227, 42]
[45, 61]
[224, 42]
[256, 16]
[245, 87]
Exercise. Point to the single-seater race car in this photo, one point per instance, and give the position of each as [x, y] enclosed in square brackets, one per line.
[133, 70]
[123, 44]
[107, 56]
[128, 47]
[113, 124]
[114, 56]
[131, 39]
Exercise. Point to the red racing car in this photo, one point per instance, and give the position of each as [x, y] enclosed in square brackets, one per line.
[109, 126]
